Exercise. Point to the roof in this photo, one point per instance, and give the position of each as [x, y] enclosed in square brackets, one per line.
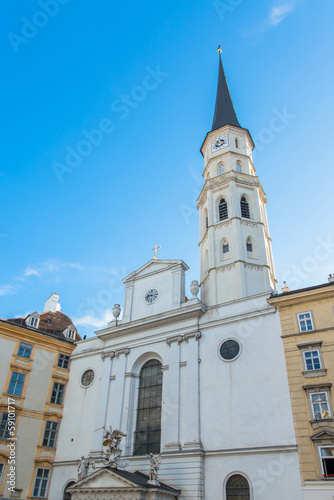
[127, 480]
[142, 480]
[50, 323]
[300, 290]
[224, 110]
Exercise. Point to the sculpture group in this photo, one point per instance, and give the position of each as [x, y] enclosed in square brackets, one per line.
[112, 452]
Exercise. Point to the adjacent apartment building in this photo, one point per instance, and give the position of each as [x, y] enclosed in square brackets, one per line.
[307, 321]
[34, 371]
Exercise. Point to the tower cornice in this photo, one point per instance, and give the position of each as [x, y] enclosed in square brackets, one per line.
[238, 177]
[223, 130]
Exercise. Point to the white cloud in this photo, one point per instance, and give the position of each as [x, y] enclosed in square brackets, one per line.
[7, 290]
[50, 266]
[279, 12]
[93, 321]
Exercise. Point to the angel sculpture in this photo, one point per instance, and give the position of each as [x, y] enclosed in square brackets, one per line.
[83, 466]
[154, 467]
[111, 442]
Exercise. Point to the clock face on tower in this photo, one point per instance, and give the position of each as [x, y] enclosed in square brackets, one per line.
[220, 143]
[151, 296]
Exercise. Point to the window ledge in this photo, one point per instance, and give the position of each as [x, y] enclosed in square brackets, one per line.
[325, 422]
[315, 373]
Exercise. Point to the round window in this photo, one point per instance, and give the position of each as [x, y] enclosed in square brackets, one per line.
[87, 378]
[229, 350]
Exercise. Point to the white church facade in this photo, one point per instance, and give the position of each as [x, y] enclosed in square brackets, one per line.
[199, 382]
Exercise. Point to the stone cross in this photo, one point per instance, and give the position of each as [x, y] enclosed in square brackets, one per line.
[155, 250]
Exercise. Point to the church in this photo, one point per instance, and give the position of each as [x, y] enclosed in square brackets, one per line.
[189, 387]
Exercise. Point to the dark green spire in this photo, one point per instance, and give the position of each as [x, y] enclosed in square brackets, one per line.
[224, 110]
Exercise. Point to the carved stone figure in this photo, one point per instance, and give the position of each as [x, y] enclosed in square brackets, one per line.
[154, 467]
[111, 443]
[83, 466]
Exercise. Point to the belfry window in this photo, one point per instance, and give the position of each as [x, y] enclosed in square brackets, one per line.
[148, 430]
[249, 245]
[244, 206]
[239, 169]
[236, 143]
[223, 212]
[226, 247]
[220, 169]
[237, 487]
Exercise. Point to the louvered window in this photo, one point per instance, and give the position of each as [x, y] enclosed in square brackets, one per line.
[244, 208]
[237, 488]
[206, 222]
[223, 212]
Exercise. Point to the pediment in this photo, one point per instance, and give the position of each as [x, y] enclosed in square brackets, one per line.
[323, 434]
[103, 479]
[109, 483]
[155, 266]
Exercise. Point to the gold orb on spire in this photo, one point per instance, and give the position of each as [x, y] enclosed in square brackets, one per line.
[219, 49]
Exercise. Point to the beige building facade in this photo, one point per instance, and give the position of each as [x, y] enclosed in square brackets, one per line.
[34, 371]
[307, 322]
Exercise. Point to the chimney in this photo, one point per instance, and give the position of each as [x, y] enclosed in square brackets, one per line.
[285, 288]
[52, 304]
[331, 278]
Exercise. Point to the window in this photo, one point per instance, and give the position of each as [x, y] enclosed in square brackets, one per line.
[16, 384]
[148, 430]
[41, 483]
[33, 322]
[87, 378]
[71, 334]
[239, 169]
[6, 424]
[237, 488]
[312, 360]
[226, 247]
[63, 361]
[327, 461]
[220, 169]
[236, 143]
[229, 350]
[67, 494]
[320, 407]
[2, 468]
[24, 350]
[249, 245]
[57, 393]
[223, 212]
[305, 322]
[244, 206]
[50, 434]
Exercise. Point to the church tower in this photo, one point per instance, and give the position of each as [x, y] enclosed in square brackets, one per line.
[235, 247]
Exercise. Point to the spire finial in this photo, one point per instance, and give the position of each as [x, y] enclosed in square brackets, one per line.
[224, 111]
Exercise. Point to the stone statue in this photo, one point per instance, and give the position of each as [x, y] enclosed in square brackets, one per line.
[83, 466]
[154, 467]
[111, 443]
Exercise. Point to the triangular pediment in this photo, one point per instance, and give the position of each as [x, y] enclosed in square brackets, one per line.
[154, 266]
[103, 479]
[323, 434]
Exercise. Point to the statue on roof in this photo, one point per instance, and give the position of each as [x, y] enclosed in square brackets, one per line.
[112, 451]
[154, 467]
[83, 466]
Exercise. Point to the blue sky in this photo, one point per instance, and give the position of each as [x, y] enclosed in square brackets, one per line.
[144, 75]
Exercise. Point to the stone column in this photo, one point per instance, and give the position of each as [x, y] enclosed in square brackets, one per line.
[173, 397]
[102, 404]
[192, 437]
